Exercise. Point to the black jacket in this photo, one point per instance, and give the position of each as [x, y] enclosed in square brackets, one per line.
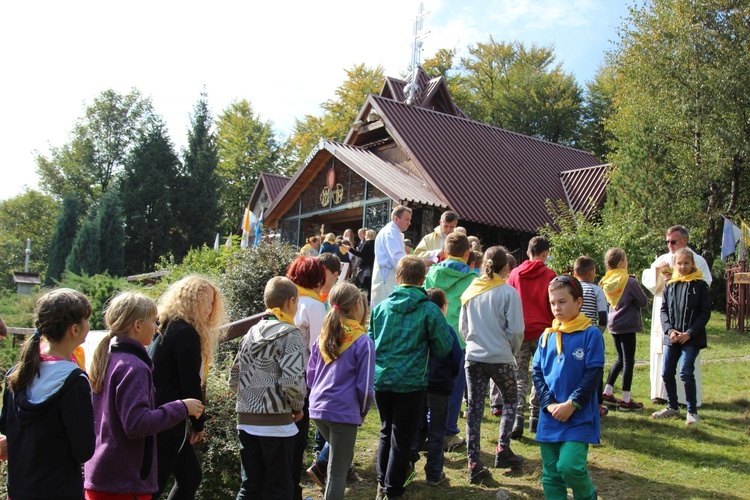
[177, 375]
[366, 253]
[49, 439]
[686, 308]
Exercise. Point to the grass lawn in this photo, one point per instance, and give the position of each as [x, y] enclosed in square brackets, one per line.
[638, 458]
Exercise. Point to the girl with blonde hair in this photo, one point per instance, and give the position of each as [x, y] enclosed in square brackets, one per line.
[191, 312]
[126, 419]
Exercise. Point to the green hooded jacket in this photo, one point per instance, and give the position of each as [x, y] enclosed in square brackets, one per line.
[453, 277]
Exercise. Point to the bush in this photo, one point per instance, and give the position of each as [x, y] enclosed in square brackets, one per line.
[247, 273]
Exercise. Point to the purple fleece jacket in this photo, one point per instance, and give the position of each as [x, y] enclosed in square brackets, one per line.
[124, 417]
[626, 317]
[342, 390]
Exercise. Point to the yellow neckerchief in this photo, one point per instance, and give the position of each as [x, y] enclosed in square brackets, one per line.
[453, 257]
[343, 249]
[305, 249]
[281, 315]
[579, 324]
[80, 357]
[481, 285]
[694, 276]
[352, 331]
[306, 292]
[613, 283]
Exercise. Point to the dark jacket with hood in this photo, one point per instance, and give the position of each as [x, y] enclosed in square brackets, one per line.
[686, 308]
[531, 279]
[407, 328]
[443, 371]
[50, 431]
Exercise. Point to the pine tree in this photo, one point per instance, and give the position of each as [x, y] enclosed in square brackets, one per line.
[62, 241]
[198, 203]
[85, 256]
[150, 182]
[111, 226]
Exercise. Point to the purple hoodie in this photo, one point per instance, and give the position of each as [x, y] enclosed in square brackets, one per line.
[342, 390]
[126, 424]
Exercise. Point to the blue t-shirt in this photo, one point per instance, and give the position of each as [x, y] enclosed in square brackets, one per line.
[562, 376]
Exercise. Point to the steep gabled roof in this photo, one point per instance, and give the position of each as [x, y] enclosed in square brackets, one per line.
[392, 179]
[487, 174]
[585, 188]
[274, 185]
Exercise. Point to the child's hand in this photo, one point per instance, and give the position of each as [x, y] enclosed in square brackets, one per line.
[194, 407]
[683, 337]
[196, 437]
[674, 336]
[297, 415]
[562, 411]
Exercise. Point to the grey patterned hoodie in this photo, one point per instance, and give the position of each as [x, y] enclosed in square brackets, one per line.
[268, 374]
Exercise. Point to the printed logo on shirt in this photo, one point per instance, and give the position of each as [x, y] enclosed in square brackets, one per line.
[579, 354]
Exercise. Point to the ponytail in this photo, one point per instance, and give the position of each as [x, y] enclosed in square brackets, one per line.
[99, 363]
[54, 314]
[495, 260]
[343, 298]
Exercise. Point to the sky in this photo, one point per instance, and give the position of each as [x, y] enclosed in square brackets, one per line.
[285, 57]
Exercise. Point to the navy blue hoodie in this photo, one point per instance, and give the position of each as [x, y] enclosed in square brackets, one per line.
[444, 370]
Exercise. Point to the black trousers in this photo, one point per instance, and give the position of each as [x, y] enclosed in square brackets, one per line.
[266, 467]
[185, 467]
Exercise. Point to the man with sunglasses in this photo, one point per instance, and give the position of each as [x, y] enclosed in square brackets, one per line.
[654, 278]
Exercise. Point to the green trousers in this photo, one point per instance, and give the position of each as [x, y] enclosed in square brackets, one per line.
[564, 466]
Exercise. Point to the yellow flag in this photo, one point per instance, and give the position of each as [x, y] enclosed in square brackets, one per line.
[246, 221]
[745, 233]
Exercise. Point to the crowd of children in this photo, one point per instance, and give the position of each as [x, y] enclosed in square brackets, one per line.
[122, 429]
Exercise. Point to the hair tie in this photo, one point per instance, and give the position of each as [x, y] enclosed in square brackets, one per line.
[488, 262]
[37, 334]
[335, 306]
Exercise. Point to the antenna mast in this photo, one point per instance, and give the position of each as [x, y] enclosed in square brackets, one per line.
[416, 51]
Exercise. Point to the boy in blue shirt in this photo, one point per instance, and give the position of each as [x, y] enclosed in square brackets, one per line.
[567, 368]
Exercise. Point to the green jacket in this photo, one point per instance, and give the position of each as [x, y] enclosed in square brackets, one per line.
[407, 328]
[453, 277]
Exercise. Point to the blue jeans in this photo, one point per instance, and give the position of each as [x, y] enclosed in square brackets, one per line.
[671, 358]
[457, 398]
[434, 431]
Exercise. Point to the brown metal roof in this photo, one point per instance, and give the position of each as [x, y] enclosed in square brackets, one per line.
[585, 188]
[274, 185]
[392, 179]
[487, 174]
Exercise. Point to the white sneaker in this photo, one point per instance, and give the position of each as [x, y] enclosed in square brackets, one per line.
[453, 442]
[692, 419]
[666, 413]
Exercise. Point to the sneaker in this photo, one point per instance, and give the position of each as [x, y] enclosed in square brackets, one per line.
[692, 419]
[317, 474]
[610, 400]
[478, 473]
[497, 411]
[659, 401]
[631, 405]
[453, 442]
[517, 428]
[666, 413]
[505, 458]
[435, 482]
[603, 410]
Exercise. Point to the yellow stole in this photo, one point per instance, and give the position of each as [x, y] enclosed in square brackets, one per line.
[352, 331]
[613, 283]
[579, 324]
[694, 276]
[281, 315]
[306, 292]
[453, 257]
[479, 286]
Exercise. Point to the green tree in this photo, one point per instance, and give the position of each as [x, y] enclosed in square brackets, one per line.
[149, 185]
[441, 64]
[198, 202]
[682, 70]
[519, 88]
[597, 109]
[246, 147]
[66, 228]
[100, 143]
[85, 256]
[111, 234]
[29, 215]
[338, 113]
